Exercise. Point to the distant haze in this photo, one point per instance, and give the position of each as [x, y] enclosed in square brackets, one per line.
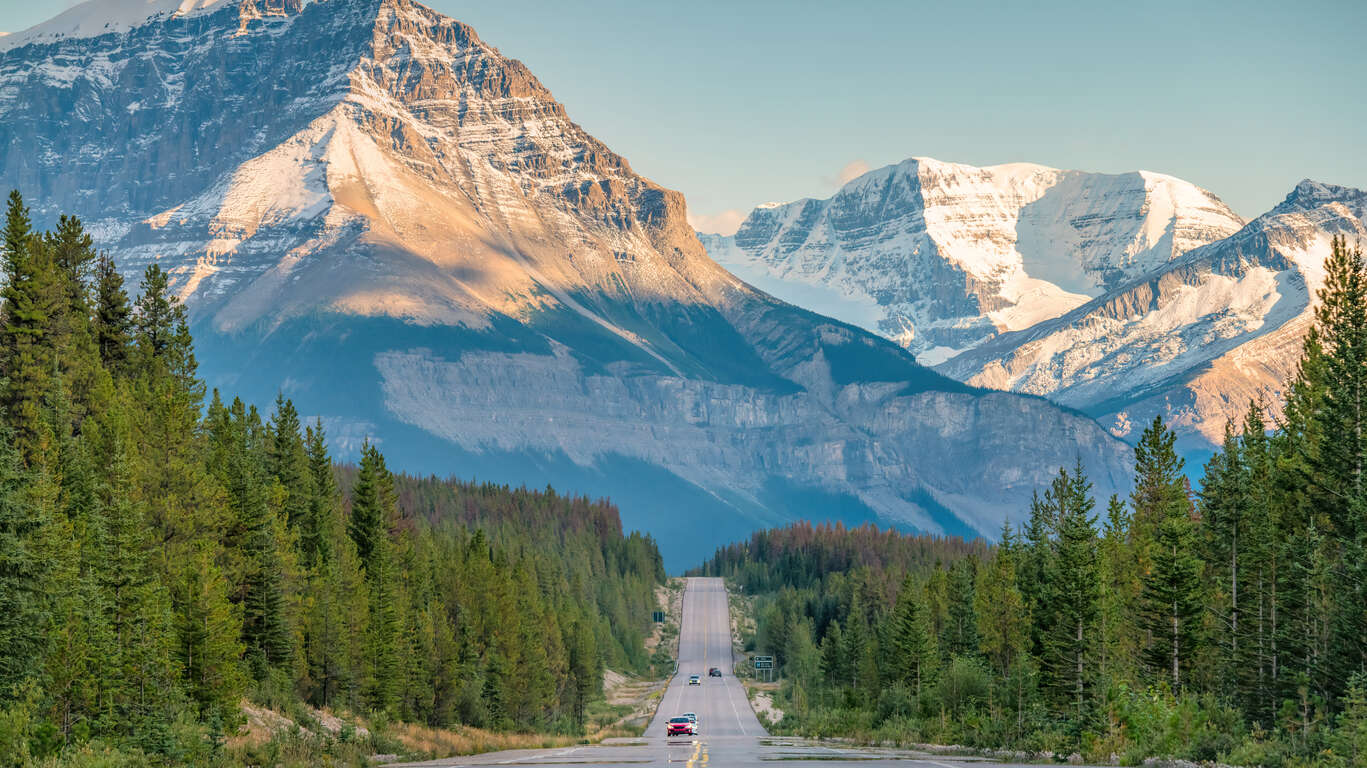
[739, 104]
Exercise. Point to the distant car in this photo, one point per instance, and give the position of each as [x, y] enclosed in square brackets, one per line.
[692, 718]
[694, 680]
[714, 672]
[681, 726]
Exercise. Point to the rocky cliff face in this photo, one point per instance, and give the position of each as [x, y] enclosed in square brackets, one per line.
[942, 256]
[371, 209]
[1194, 341]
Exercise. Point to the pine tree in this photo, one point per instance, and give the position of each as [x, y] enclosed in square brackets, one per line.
[137, 656]
[372, 504]
[1036, 551]
[834, 664]
[1171, 598]
[73, 251]
[1069, 609]
[288, 462]
[915, 651]
[335, 630]
[23, 607]
[1223, 532]
[32, 298]
[209, 644]
[1257, 654]
[1117, 647]
[1338, 463]
[961, 626]
[1003, 624]
[112, 316]
[70, 334]
[157, 314]
[585, 672]
[238, 437]
[317, 537]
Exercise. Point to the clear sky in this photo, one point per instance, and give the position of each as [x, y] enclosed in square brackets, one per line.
[744, 101]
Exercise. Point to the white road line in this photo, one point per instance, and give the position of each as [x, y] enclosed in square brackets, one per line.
[729, 694]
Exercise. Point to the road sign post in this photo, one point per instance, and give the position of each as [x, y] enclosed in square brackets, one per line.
[764, 664]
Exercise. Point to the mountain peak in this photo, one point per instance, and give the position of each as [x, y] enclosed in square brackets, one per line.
[96, 18]
[1310, 194]
[366, 202]
[1018, 242]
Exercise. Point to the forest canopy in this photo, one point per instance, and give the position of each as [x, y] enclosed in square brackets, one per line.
[167, 553]
[1224, 624]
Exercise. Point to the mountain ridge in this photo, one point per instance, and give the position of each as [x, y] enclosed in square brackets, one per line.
[410, 238]
[992, 250]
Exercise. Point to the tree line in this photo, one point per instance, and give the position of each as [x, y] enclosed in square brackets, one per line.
[166, 553]
[1225, 623]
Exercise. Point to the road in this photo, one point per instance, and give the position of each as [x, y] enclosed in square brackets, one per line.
[730, 736]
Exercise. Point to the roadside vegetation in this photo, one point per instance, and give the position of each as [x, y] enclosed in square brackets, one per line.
[1228, 624]
[187, 581]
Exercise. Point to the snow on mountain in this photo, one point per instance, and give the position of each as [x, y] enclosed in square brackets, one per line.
[1194, 340]
[109, 17]
[371, 209]
[942, 256]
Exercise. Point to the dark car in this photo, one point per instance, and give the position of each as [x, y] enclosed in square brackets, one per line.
[714, 672]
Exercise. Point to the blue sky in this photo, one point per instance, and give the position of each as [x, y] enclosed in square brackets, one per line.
[737, 103]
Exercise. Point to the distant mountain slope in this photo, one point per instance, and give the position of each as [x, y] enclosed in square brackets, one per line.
[371, 209]
[943, 256]
[1194, 340]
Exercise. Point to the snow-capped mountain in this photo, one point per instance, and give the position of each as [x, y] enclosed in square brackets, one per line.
[368, 207]
[941, 257]
[1195, 340]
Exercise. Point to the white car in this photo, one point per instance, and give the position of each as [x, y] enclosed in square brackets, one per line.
[695, 679]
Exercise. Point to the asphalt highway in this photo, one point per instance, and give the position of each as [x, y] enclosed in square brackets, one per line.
[730, 736]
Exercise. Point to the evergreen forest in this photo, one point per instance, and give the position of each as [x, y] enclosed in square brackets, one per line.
[169, 556]
[1226, 623]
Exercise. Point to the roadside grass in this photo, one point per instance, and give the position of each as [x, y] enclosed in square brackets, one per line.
[437, 743]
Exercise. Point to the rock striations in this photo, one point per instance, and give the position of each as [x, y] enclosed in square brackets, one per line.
[1125, 296]
[372, 210]
[1193, 341]
[942, 256]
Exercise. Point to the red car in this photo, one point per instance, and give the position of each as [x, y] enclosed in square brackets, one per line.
[680, 726]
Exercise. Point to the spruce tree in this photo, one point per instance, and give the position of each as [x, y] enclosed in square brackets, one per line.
[961, 627]
[1170, 609]
[288, 462]
[1338, 463]
[238, 438]
[112, 316]
[209, 644]
[1003, 623]
[317, 537]
[23, 603]
[1117, 646]
[1068, 611]
[1223, 531]
[73, 250]
[30, 300]
[157, 313]
[913, 641]
[372, 503]
[1257, 652]
[138, 636]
